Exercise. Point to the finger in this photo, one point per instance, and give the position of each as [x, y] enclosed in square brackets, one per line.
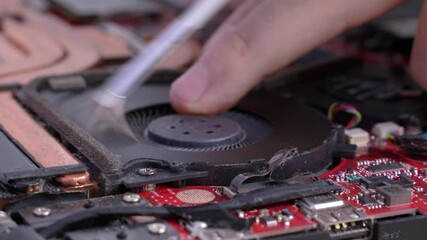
[244, 8]
[267, 37]
[182, 56]
[179, 57]
[419, 51]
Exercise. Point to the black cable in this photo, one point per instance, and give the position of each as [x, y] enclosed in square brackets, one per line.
[102, 212]
[270, 195]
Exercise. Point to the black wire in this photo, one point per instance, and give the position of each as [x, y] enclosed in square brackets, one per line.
[270, 195]
[102, 212]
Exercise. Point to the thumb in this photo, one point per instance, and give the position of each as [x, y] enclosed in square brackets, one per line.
[219, 79]
[223, 73]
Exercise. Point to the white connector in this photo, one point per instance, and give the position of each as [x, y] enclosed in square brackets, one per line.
[358, 137]
[383, 130]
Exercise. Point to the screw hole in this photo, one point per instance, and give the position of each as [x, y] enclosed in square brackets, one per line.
[202, 120]
[217, 126]
[181, 121]
[186, 133]
[172, 127]
[209, 132]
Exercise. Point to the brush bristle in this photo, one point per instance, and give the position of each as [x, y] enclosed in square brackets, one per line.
[96, 115]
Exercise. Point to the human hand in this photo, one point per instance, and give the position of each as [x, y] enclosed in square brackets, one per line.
[263, 36]
[419, 51]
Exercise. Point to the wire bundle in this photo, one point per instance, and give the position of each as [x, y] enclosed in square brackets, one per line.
[336, 108]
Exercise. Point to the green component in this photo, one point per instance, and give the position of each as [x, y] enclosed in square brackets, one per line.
[354, 178]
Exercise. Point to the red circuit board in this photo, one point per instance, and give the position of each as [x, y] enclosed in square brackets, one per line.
[183, 197]
[411, 167]
[342, 174]
[192, 196]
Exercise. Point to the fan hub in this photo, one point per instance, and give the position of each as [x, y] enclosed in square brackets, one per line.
[195, 131]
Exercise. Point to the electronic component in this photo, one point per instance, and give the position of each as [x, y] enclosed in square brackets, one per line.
[373, 182]
[354, 178]
[367, 199]
[269, 221]
[358, 137]
[393, 195]
[404, 181]
[386, 167]
[345, 222]
[323, 202]
[387, 129]
[287, 213]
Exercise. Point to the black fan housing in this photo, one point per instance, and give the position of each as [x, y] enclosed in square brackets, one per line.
[207, 150]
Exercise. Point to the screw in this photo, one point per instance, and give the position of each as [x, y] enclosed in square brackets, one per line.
[42, 211]
[131, 198]
[122, 235]
[199, 225]
[157, 228]
[89, 204]
[240, 214]
[147, 172]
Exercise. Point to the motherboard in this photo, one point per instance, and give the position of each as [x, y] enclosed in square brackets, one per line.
[333, 147]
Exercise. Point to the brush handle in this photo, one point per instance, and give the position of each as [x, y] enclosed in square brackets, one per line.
[137, 71]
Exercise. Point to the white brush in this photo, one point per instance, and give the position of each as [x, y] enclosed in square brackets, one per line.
[106, 104]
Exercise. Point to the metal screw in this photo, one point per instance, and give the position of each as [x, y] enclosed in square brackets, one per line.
[157, 228]
[89, 204]
[122, 235]
[147, 172]
[131, 198]
[240, 214]
[42, 211]
[199, 225]
[240, 235]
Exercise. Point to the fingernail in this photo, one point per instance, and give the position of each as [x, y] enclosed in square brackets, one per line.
[192, 85]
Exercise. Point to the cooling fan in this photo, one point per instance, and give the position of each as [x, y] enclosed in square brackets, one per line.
[161, 126]
[183, 149]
